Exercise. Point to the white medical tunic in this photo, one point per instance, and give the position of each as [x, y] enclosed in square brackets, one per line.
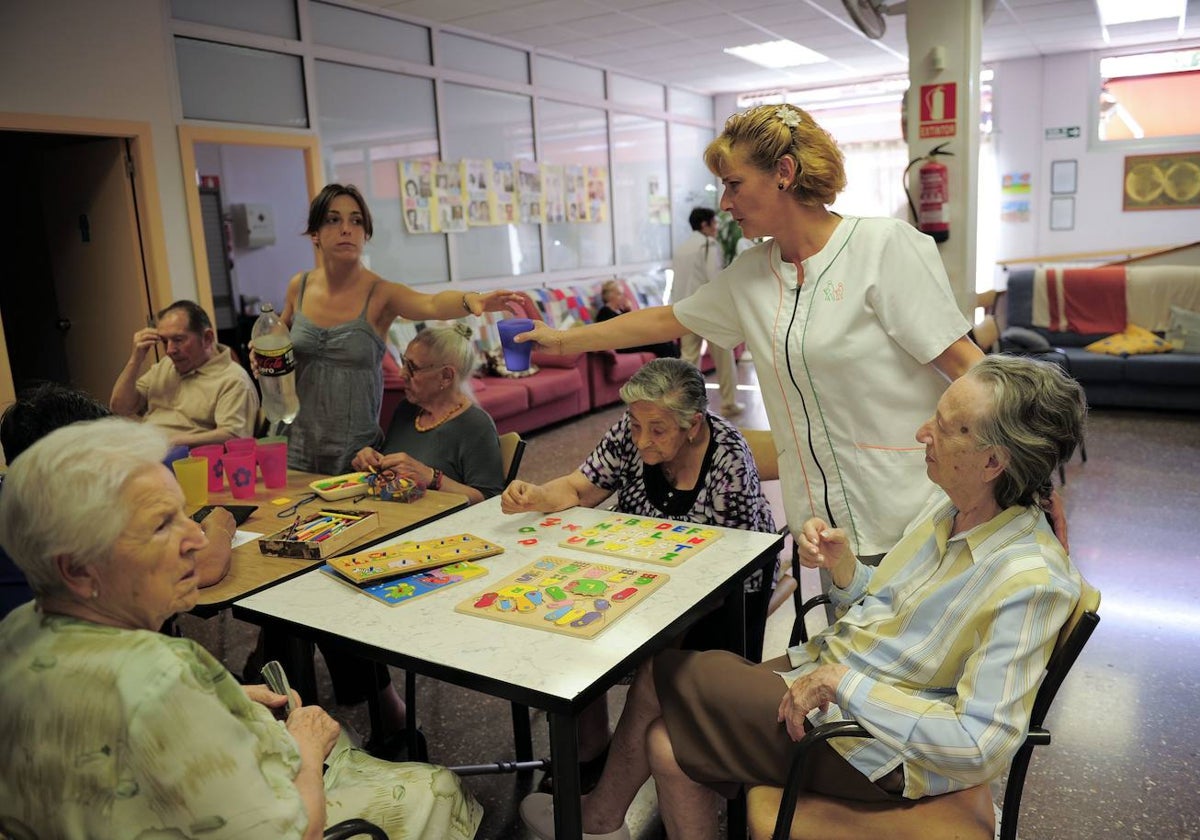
[843, 364]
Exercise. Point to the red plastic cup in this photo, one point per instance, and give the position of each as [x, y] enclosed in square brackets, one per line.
[240, 472]
[214, 452]
[272, 462]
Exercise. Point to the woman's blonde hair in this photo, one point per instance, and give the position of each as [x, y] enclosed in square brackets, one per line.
[765, 134]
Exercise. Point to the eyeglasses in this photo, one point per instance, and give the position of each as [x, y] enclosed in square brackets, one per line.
[413, 369]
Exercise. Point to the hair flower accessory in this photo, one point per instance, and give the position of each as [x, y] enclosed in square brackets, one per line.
[787, 116]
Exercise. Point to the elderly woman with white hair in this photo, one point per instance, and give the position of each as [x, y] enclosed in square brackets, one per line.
[114, 730]
[670, 457]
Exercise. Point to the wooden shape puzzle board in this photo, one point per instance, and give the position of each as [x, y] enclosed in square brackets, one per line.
[643, 539]
[398, 590]
[566, 596]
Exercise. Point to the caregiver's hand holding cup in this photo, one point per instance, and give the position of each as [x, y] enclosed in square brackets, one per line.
[516, 355]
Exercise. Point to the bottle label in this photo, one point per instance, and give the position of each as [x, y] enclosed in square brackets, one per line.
[279, 362]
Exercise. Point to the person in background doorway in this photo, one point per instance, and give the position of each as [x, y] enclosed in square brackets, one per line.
[697, 261]
[197, 393]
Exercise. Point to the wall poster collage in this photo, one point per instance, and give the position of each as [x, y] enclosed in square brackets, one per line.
[454, 196]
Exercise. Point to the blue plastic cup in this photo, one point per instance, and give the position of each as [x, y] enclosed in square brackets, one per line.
[516, 356]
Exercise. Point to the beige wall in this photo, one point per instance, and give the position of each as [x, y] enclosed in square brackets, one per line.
[105, 59]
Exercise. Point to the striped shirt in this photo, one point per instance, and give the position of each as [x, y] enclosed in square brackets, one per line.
[947, 642]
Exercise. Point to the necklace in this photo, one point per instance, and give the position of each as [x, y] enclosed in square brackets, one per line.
[458, 409]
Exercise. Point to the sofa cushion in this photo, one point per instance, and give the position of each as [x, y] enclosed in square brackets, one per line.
[618, 367]
[1093, 367]
[1131, 341]
[1184, 330]
[1178, 370]
[1024, 339]
[500, 398]
[551, 360]
[550, 384]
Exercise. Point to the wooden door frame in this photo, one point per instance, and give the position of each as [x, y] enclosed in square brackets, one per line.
[189, 136]
[145, 189]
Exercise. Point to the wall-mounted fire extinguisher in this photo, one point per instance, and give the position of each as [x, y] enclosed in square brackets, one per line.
[931, 209]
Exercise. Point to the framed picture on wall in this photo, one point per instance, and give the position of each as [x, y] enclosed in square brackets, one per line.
[1062, 213]
[1162, 182]
[1063, 177]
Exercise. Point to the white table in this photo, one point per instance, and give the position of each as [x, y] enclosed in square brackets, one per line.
[552, 671]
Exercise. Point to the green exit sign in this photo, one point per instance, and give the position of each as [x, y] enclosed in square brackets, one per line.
[1062, 133]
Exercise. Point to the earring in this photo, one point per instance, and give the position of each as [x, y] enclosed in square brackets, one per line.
[95, 593]
[779, 185]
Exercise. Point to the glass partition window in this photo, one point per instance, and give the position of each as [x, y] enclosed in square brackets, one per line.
[367, 33]
[270, 17]
[370, 120]
[474, 56]
[692, 185]
[1141, 94]
[566, 75]
[689, 104]
[239, 84]
[631, 91]
[575, 136]
[489, 124]
[641, 207]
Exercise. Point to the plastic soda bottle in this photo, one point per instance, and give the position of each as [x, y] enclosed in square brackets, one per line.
[276, 366]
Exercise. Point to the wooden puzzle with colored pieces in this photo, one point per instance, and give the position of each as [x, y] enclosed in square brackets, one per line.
[566, 596]
[643, 539]
[398, 590]
[404, 558]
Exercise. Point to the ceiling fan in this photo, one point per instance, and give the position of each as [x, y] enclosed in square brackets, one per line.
[868, 15]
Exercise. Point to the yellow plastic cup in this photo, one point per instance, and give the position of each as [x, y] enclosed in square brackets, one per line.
[192, 474]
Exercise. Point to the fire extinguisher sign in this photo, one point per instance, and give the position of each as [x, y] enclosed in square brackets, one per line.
[937, 110]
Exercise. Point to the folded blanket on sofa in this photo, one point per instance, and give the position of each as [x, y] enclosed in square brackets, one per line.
[1152, 290]
[1080, 300]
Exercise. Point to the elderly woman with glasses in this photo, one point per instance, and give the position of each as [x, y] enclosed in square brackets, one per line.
[113, 730]
[668, 456]
[439, 437]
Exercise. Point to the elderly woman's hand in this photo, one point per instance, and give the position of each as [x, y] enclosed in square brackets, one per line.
[367, 459]
[314, 730]
[820, 545]
[406, 466]
[521, 497]
[261, 694]
[814, 690]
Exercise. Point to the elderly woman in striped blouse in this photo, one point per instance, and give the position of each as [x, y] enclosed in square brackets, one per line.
[938, 652]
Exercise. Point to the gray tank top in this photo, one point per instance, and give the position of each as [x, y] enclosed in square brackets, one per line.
[339, 380]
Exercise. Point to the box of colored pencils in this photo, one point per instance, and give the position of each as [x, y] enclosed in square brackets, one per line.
[320, 534]
[405, 558]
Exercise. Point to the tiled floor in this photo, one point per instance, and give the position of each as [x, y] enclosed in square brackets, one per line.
[1125, 760]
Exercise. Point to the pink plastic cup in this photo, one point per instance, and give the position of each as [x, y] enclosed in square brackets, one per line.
[272, 462]
[214, 452]
[240, 472]
[246, 444]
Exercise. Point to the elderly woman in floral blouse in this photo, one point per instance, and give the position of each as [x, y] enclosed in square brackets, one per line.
[668, 457]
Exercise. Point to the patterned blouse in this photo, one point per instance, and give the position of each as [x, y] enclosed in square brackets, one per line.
[727, 492]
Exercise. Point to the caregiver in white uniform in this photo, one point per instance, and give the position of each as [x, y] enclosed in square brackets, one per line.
[851, 322]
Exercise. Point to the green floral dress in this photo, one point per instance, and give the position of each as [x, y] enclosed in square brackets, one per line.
[133, 735]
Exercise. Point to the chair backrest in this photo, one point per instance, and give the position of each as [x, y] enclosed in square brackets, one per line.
[512, 448]
[1071, 639]
[762, 447]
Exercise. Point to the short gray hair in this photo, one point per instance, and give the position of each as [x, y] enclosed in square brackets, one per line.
[673, 384]
[1036, 418]
[60, 497]
[452, 346]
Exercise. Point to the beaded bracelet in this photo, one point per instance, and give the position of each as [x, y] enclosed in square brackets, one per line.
[466, 306]
[435, 483]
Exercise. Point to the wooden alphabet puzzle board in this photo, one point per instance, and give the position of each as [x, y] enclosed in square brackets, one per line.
[566, 596]
[643, 539]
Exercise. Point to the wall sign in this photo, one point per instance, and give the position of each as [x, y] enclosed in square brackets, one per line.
[1062, 133]
[937, 110]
